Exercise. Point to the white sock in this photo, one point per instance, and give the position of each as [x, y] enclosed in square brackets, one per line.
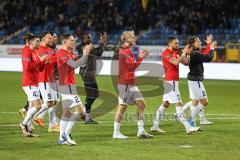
[29, 124]
[201, 115]
[55, 116]
[187, 106]
[117, 128]
[196, 110]
[56, 121]
[140, 125]
[63, 125]
[51, 116]
[159, 115]
[181, 116]
[31, 112]
[41, 113]
[88, 116]
[72, 121]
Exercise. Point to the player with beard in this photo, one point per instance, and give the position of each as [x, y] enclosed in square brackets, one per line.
[171, 59]
[46, 78]
[52, 111]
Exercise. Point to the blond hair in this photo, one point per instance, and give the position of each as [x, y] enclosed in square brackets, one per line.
[127, 34]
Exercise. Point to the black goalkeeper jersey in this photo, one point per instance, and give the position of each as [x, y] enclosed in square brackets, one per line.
[196, 64]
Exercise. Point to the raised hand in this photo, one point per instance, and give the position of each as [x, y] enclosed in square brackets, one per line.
[214, 44]
[187, 49]
[143, 54]
[43, 58]
[209, 39]
[87, 48]
[104, 38]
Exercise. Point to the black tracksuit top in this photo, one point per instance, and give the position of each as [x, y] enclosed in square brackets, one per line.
[196, 64]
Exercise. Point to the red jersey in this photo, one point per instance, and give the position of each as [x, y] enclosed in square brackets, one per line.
[46, 71]
[171, 70]
[127, 66]
[30, 67]
[66, 73]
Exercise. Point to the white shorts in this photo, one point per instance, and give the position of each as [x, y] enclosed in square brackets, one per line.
[69, 96]
[128, 94]
[171, 92]
[196, 90]
[32, 93]
[48, 91]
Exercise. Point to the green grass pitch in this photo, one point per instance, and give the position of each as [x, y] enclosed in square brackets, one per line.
[220, 141]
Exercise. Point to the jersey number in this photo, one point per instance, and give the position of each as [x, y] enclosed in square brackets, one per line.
[76, 99]
[35, 94]
[49, 95]
[204, 93]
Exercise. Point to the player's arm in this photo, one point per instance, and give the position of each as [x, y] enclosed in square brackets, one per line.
[209, 41]
[98, 51]
[205, 57]
[43, 58]
[81, 61]
[184, 58]
[27, 62]
[134, 64]
[79, 49]
[206, 50]
[78, 63]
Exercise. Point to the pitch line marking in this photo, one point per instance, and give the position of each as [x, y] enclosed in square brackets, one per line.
[217, 118]
[186, 146]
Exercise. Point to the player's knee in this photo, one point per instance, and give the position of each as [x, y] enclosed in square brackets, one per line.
[49, 104]
[165, 104]
[66, 113]
[37, 104]
[140, 104]
[195, 102]
[178, 104]
[123, 108]
[78, 109]
[205, 103]
[55, 103]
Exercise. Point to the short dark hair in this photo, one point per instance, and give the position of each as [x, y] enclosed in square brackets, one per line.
[65, 36]
[52, 33]
[85, 34]
[44, 34]
[191, 40]
[26, 36]
[32, 37]
[171, 38]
